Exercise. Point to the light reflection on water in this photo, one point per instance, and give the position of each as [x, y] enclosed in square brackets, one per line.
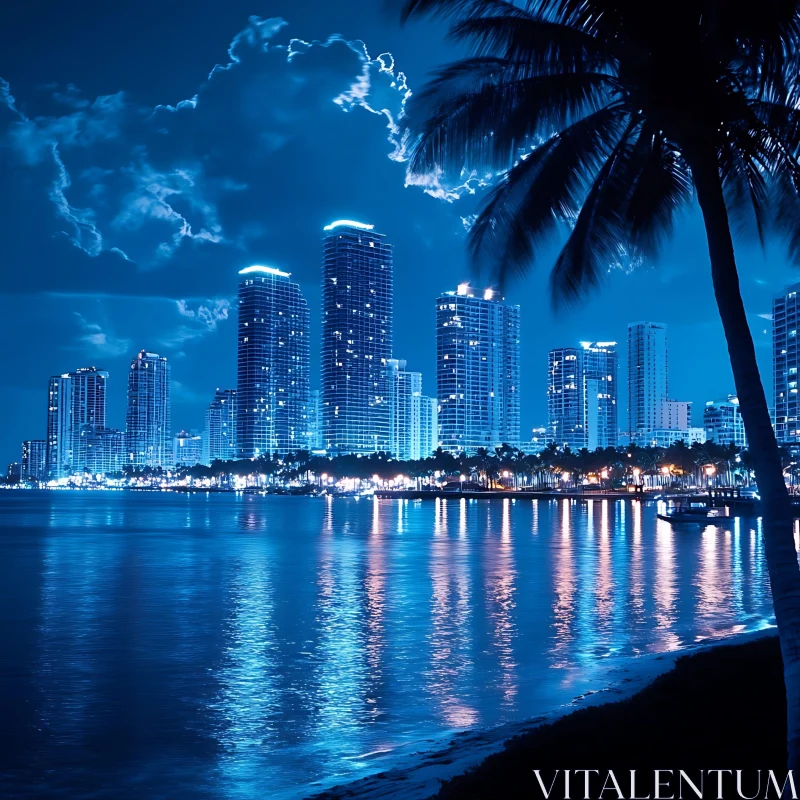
[221, 646]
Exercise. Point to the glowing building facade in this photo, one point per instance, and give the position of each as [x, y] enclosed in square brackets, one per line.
[187, 449]
[566, 399]
[59, 433]
[414, 417]
[34, 460]
[219, 442]
[88, 415]
[785, 364]
[357, 278]
[148, 437]
[477, 370]
[722, 420]
[272, 393]
[647, 379]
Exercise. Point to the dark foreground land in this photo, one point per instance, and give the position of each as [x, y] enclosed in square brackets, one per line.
[723, 708]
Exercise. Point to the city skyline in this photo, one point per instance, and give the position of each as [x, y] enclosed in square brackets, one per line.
[77, 437]
[186, 227]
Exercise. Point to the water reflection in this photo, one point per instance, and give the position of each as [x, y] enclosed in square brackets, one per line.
[333, 634]
[500, 590]
[665, 588]
[451, 663]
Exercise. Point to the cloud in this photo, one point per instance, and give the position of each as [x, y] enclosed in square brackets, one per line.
[99, 340]
[209, 315]
[145, 183]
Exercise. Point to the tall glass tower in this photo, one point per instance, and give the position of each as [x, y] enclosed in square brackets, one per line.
[220, 439]
[273, 366]
[566, 402]
[647, 379]
[356, 339]
[582, 396]
[88, 386]
[148, 437]
[59, 431]
[785, 364]
[477, 370]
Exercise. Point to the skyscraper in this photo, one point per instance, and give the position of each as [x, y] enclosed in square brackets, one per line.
[599, 366]
[88, 401]
[582, 396]
[34, 460]
[103, 451]
[272, 394]
[413, 415]
[219, 442]
[566, 399]
[59, 432]
[723, 422]
[187, 449]
[315, 441]
[647, 378]
[785, 363]
[403, 385]
[477, 370]
[356, 338]
[148, 437]
[428, 424]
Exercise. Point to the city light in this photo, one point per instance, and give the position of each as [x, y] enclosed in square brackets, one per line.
[348, 223]
[264, 270]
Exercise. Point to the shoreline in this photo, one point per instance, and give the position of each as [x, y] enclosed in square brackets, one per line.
[420, 775]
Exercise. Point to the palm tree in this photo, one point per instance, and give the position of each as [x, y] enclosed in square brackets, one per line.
[608, 118]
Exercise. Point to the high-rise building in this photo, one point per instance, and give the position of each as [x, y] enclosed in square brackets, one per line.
[59, 431]
[187, 449]
[477, 370]
[315, 441]
[103, 451]
[722, 420]
[785, 363]
[582, 396]
[273, 365]
[647, 378]
[219, 442]
[357, 280]
[428, 424]
[414, 417]
[88, 401]
[34, 460]
[599, 368]
[566, 399]
[405, 424]
[148, 438]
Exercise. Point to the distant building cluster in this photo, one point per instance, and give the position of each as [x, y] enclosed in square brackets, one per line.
[368, 399]
[582, 398]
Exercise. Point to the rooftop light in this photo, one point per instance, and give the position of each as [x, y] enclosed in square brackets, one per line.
[463, 288]
[263, 270]
[348, 223]
[488, 294]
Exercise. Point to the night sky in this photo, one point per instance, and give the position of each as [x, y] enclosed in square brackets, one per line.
[150, 150]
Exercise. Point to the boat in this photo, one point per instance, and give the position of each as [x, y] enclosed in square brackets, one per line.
[691, 514]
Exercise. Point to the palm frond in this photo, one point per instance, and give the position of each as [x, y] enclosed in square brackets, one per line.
[539, 42]
[480, 114]
[661, 186]
[541, 191]
[599, 229]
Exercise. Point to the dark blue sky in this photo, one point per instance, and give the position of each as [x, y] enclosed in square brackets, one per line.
[137, 179]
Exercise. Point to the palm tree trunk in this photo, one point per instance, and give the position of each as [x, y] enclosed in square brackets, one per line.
[777, 517]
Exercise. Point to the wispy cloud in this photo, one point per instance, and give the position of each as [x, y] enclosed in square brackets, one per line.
[209, 315]
[100, 340]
